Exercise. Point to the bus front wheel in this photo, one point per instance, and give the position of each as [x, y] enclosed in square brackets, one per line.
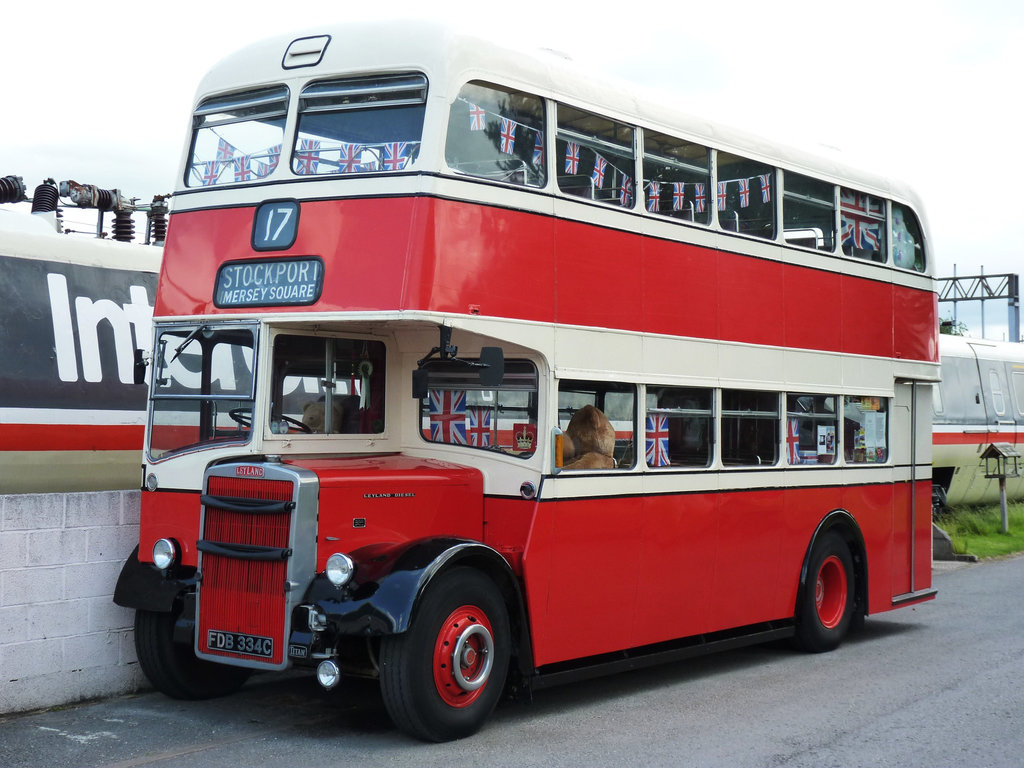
[825, 608]
[173, 668]
[442, 678]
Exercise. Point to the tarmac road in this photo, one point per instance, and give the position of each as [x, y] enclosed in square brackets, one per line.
[940, 684]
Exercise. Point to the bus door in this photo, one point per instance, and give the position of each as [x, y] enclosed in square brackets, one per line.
[911, 566]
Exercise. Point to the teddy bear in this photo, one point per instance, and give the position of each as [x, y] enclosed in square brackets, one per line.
[313, 416]
[588, 441]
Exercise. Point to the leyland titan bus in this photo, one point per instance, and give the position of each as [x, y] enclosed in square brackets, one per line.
[474, 374]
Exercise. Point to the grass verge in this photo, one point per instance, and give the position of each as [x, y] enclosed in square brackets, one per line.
[977, 530]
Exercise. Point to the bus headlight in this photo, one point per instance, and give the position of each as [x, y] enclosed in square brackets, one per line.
[340, 569]
[164, 554]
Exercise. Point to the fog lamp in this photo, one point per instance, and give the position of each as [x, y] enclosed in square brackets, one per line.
[164, 554]
[328, 674]
[340, 569]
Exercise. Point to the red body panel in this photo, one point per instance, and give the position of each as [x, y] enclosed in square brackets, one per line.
[169, 515]
[392, 499]
[606, 574]
[448, 256]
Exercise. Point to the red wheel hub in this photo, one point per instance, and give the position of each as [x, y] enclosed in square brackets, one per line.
[463, 656]
[830, 591]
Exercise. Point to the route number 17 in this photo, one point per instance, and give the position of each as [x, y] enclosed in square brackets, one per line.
[275, 226]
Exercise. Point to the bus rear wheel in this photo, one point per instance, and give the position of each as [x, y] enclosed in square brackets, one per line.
[442, 678]
[173, 668]
[825, 608]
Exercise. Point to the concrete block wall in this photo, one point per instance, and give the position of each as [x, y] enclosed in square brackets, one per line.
[62, 639]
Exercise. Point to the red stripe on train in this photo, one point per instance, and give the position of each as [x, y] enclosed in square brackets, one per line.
[976, 438]
[71, 437]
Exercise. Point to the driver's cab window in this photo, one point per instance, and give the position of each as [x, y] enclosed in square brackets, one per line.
[327, 386]
[598, 423]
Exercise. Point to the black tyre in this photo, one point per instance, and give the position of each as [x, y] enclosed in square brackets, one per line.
[825, 605]
[442, 678]
[173, 668]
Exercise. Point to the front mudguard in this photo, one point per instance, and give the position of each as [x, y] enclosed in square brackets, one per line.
[384, 595]
[145, 587]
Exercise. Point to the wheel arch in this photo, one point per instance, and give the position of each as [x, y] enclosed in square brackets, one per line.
[843, 523]
[392, 583]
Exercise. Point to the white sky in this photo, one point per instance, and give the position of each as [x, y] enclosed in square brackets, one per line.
[927, 91]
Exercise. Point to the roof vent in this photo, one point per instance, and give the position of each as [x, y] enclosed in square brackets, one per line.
[305, 52]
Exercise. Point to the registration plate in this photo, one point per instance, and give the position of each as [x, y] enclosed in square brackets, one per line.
[238, 642]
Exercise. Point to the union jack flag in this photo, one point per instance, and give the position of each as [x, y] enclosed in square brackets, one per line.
[478, 426]
[273, 156]
[243, 168]
[657, 440]
[508, 135]
[653, 196]
[600, 166]
[538, 149]
[308, 157]
[766, 187]
[572, 157]
[700, 199]
[793, 441]
[722, 187]
[396, 155]
[678, 195]
[744, 192]
[477, 118]
[348, 160]
[225, 152]
[862, 215]
[210, 173]
[626, 191]
[448, 416]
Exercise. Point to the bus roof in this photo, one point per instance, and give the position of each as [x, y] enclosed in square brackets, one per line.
[450, 56]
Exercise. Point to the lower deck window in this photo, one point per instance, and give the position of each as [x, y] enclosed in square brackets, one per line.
[811, 429]
[598, 423]
[865, 428]
[750, 428]
[679, 426]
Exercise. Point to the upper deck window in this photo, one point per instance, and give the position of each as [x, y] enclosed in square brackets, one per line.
[907, 241]
[809, 212]
[497, 133]
[677, 177]
[360, 125]
[237, 137]
[863, 219]
[595, 157]
[745, 196]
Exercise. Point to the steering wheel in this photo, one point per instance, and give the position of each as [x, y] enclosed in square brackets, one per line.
[297, 424]
[243, 417]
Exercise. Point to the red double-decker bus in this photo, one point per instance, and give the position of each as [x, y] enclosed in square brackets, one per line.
[472, 373]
